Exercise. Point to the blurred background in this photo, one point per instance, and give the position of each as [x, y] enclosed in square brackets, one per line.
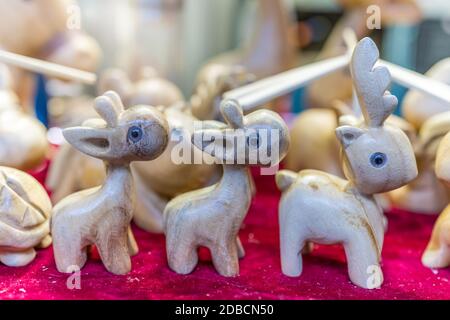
[177, 37]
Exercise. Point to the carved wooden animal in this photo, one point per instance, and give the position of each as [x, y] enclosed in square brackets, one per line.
[418, 107]
[23, 139]
[25, 210]
[160, 180]
[320, 207]
[101, 216]
[41, 31]
[425, 194]
[212, 216]
[437, 253]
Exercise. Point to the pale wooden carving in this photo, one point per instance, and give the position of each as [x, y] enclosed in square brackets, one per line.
[25, 214]
[437, 253]
[426, 194]
[212, 216]
[320, 207]
[418, 107]
[23, 139]
[101, 216]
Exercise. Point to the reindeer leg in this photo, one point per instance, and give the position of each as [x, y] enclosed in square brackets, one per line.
[133, 247]
[225, 260]
[363, 260]
[292, 243]
[240, 248]
[181, 254]
[114, 252]
[437, 253]
[68, 252]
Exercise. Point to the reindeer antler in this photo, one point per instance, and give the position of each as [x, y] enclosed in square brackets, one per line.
[371, 84]
[109, 106]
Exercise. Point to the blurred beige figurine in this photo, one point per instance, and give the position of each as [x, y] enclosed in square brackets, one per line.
[323, 208]
[60, 41]
[437, 253]
[25, 215]
[23, 139]
[431, 118]
[101, 216]
[212, 216]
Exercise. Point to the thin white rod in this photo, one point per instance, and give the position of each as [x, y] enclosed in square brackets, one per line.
[47, 68]
[415, 80]
[263, 91]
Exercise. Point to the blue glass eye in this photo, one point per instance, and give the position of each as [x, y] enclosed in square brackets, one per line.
[134, 134]
[378, 159]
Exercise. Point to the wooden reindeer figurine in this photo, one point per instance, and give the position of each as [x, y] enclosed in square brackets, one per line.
[212, 216]
[437, 253]
[102, 215]
[320, 207]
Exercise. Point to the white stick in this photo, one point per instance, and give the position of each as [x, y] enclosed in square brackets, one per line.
[415, 80]
[263, 91]
[47, 68]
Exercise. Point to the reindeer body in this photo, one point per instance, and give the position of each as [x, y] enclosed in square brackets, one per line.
[214, 220]
[107, 211]
[341, 215]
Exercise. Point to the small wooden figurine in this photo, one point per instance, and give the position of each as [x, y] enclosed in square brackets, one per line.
[425, 194]
[323, 208]
[437, 253]
[212, 216]
[23, 139]
[25, 210]
[101, 216]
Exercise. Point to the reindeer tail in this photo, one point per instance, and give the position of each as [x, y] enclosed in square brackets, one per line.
[285, 179]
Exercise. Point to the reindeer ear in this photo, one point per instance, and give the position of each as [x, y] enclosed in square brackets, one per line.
[91, 141]
[109, 107]
[232, 112]
[347, 135]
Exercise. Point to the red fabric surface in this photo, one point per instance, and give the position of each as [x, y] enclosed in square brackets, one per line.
[324, 276]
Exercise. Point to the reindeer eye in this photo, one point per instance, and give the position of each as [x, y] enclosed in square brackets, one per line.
[378, 159]
[134, 134]
[253, 140]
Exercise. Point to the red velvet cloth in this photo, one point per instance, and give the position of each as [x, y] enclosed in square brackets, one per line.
[324, 276]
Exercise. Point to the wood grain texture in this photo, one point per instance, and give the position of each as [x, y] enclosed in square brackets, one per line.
[102, 215]
[320, 207]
